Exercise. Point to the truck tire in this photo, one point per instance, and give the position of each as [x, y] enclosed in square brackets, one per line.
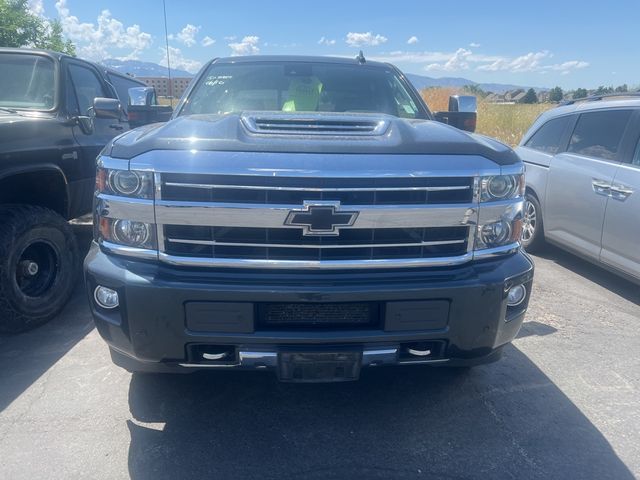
[532, 226]
[38, 266]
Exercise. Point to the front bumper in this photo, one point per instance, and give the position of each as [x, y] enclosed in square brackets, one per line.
[153, 329]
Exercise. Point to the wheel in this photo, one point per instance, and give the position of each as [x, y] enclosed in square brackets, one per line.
[38, 266]
[532, 227]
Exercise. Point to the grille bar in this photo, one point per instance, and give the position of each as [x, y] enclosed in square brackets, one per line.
[312, 189]
[215, 243]
[274, 216]
[315, 264]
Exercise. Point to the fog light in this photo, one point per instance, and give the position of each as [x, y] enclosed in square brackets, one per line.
[106, 297]
[516, 295]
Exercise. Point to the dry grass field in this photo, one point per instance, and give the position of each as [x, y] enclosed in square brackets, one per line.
[506, 122]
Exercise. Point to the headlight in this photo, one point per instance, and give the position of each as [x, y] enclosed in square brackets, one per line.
[129, 233]
[125, 183]
[499, 229]
[501, 187]
[495, 234]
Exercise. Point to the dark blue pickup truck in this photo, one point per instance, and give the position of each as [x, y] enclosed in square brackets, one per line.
[310, 216]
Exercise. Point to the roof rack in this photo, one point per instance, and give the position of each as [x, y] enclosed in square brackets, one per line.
[595, 98]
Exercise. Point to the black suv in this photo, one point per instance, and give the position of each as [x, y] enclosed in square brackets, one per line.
[56, 114]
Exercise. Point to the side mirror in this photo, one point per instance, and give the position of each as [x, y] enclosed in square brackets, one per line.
[144, 109]
[462, 113]
[107, 108]
[463, 103]
[142, 96]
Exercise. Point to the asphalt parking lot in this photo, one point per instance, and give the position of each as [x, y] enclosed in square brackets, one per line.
[562, 403]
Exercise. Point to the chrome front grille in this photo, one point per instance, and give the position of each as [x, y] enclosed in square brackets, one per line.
[291, 244]
[241, 220]
[296, 190]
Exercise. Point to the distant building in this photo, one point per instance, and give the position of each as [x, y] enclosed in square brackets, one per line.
[164, 88]
[543, 96]
[495, 98]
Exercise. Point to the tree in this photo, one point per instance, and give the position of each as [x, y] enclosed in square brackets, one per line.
[530, 96]
[54, 40]
[622, 88]
[602, 90]
[580, 93]
[556, 94]
[19, 27]
[474, 90]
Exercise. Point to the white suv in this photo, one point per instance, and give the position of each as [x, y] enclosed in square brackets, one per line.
[583, 181]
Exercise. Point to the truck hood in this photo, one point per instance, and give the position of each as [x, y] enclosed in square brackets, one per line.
[308, 133]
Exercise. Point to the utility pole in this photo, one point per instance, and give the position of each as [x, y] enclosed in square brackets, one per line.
[166, 38]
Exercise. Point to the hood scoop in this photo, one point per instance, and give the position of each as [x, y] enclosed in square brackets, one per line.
[275, 123]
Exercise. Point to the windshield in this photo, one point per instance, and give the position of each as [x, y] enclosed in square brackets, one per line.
[27, 82]
[301, 87]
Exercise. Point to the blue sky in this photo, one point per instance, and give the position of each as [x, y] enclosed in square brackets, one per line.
[544, 43]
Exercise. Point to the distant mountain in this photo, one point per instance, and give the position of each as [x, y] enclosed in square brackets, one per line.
[143, 69]
[422, 82]
[150, 69]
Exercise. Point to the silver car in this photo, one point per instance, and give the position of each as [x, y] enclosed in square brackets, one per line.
[583, 181]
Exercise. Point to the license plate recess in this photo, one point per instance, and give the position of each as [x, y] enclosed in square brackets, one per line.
[319, 366]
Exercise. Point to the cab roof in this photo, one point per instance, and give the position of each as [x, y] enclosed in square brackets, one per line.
[299, 58]
[36, 51]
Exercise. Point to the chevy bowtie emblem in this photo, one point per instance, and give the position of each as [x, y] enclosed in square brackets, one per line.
[318, 218]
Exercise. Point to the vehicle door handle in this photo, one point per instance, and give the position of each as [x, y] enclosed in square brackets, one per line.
[116, 126]
[601, 187]
[620, 192]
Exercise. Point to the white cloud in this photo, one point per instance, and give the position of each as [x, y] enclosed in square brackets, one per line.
[524, 63]
[207, 41]
[458, 61]
[94, 41]
[230, 39]
[186, 36]
[533, 62]
[465, 59]
[474, 45]
[566, 67]
[248, 46]
[355, 39]
[36, 7]
[326, 41]
[178, 60]
[412, 40]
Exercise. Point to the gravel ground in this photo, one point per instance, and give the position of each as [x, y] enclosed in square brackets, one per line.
[562, 403]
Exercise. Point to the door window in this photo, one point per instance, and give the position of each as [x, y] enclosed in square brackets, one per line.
[636, 156]
[122, 86]
[548, 137]
[87, 86]
[598, 134]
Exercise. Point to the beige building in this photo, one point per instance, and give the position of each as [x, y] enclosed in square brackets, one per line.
[163, 88]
